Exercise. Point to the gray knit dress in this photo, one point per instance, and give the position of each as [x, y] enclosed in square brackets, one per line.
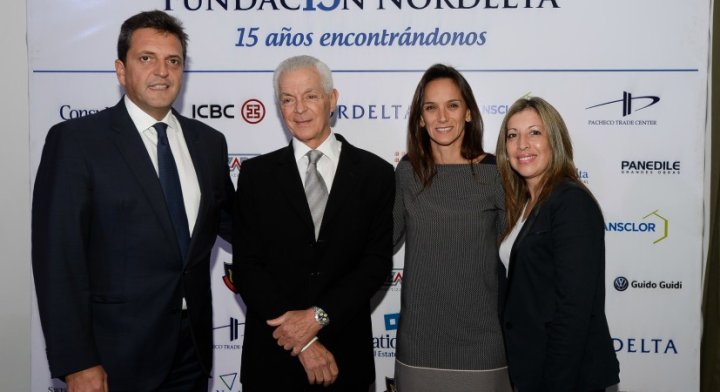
[449, 337]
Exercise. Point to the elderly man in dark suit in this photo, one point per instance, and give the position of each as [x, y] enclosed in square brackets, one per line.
[127, 206]
[313, 243]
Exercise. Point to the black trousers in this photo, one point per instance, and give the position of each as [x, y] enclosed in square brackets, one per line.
[186, 374]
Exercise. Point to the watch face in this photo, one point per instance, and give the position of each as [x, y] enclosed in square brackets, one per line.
[321, 317]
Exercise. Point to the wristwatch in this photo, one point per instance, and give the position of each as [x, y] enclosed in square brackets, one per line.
[321, 317]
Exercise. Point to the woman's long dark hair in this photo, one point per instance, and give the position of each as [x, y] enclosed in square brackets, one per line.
[419, 151]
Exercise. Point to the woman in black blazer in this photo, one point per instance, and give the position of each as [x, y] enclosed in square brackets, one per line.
[556, 332]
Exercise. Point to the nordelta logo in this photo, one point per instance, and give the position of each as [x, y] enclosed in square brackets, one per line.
[648, 346]
[386, 111]
[372, 112]
[621, 284]
[629, 105]
[654, 224]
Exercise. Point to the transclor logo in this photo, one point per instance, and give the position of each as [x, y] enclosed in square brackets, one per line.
[645, 346]
[494, 109]
[331, 5]
[660, 226]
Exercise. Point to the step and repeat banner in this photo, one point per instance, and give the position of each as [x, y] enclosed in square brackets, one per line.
[629, 77]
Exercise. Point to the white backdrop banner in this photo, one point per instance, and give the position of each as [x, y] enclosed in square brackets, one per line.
[629, 77]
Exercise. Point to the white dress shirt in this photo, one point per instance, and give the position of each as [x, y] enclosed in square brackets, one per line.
[326, 165]
[188, 178]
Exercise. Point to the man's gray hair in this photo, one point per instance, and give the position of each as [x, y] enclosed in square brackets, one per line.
[299, 62]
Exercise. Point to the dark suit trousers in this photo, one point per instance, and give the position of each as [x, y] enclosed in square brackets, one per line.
[186, 374]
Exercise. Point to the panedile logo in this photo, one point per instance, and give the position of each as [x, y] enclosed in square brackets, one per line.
[649, 167]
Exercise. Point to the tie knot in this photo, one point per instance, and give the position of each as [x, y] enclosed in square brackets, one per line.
[313, 156]
[161, 129]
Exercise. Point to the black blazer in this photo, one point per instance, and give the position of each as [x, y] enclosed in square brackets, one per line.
[108, 272]
[556, 332]
[278, 266]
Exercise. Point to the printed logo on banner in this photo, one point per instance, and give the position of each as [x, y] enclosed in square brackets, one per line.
[253, 111]
[229, 333]
[235, 163]
[398, 156]
[68, 112]
[583, 175]
[391, 321]
[628, 105]
[494, 109]
[621, 284]
[653, 225]
[228, 380]
[55, 388]
[645, 345]
[212, 111]
[394, 281]
[650, 167]
[319, 5]
[372, 112]
[384, 346]
[227, 278]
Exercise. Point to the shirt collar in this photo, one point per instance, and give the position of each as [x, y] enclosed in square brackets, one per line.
[143, 121]
[330, 148]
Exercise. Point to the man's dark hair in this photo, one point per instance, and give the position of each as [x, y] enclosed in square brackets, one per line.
[157, 20]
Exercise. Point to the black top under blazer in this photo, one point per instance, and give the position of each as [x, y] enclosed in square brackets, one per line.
[556, 332]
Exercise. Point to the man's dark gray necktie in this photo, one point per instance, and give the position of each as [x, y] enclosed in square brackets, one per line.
[315, 190]
[170, 182]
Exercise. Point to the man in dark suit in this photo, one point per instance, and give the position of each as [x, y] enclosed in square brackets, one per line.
[126, 208]
[313, 242]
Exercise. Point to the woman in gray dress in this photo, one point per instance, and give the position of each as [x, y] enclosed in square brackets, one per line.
[448, 213]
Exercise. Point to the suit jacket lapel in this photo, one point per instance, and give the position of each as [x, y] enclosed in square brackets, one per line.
[521, 235]
[201, 171]
[289, 181]
[344, 184]
[131, 147]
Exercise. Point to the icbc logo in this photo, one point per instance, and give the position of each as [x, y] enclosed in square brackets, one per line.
[213, 111]
[253, 111]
